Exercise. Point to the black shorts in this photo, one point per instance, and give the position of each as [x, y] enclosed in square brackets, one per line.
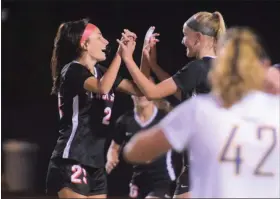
[81, 179]
[142, 187]
[183, 182]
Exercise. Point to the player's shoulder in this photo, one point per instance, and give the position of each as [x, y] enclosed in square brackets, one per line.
[198, 62]
[73, 67]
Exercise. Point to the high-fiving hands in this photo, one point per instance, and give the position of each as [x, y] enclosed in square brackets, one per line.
[126, 37]
[127, 44]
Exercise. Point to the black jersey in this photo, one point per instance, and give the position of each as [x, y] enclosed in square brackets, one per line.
[192, 78]
[84, 116]
[128, 125]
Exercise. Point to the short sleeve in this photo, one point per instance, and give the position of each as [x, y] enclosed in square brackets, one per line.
[76, 75]
[178, 126]
[188, 77]
[119, 130]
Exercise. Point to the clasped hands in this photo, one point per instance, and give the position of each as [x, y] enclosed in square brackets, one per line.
[127, 45]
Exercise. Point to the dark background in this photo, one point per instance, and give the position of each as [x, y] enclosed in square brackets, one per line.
[29, 112]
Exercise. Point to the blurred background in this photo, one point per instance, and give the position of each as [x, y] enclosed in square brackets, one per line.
[29, 112]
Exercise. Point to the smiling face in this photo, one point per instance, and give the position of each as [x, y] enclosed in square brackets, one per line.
[95, 45]
[190, 41]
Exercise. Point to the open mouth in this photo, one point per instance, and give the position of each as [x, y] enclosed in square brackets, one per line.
[106, 50]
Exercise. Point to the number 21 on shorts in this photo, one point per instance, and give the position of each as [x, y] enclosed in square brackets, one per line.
[237, 160]
[79, 175]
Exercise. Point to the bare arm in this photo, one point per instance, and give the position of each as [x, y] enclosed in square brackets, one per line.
[160, 73]
[129, 87]
[146, 146]
[151, 57]
[144, 66]
[105, 84]
[112, 156]
[173, 131]
[148, 88]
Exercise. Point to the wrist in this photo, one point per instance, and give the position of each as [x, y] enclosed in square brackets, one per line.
[118, 56]
[128, 59]
[153, 64]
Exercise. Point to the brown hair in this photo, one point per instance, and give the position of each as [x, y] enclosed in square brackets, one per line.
[66, 48]
[237, 68]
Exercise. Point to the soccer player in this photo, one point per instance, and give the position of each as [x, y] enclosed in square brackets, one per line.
[201, 33]
[151, 179]
[85, 93]
[232, 133]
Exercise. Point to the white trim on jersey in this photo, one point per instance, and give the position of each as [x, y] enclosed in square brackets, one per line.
[74, 126]
[149, 121]
[169, 166]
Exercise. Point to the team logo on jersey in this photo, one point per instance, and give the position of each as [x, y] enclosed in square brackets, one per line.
[128, 134]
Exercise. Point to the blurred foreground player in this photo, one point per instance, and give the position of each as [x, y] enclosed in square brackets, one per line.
[235, 152]
[85, 93]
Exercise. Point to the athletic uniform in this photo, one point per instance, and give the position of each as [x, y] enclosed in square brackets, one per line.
[192, 79]
[234, 154]
[77, 161]
[151, 179]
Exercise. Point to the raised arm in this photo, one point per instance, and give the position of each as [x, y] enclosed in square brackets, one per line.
[130, 87]
[150, 54]
[104, 85]
[148, 88]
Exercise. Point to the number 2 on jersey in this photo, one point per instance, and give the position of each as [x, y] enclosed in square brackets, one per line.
[237, 159]
[107, 117]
